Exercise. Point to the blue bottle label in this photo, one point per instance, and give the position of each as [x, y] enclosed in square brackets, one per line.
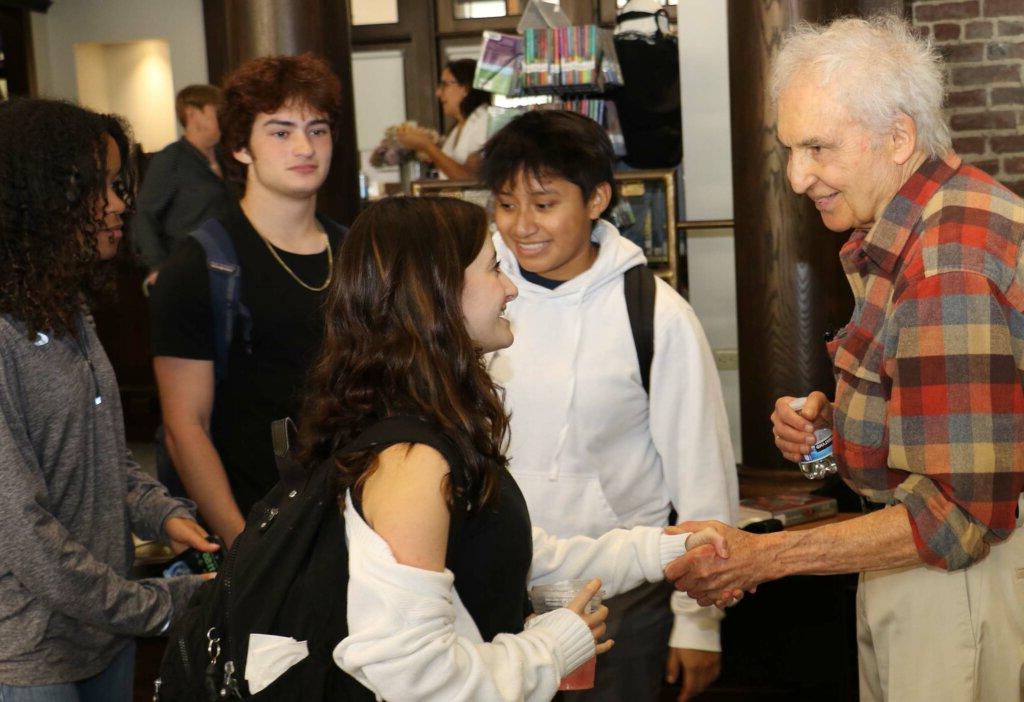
[822, 447]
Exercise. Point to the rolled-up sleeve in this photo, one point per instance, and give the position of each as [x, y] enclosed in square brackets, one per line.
[956, 415]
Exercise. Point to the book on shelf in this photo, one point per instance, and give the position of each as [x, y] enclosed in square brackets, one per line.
[790, 509]
[499, 69]
[569, 59]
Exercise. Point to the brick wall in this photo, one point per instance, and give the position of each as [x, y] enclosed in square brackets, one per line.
[983, 44]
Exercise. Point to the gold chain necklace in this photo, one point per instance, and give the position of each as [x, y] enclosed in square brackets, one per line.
[300, 281]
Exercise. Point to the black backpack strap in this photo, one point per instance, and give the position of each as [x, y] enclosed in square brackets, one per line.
[639, 289]
[283, 434]
[416, 430]
[225, 275]
[407, 429]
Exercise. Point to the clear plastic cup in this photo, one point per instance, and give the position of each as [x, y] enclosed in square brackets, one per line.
[546, 598]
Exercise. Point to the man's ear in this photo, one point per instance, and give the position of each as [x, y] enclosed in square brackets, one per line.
[903, 138]
[599, 200]
[242, 155]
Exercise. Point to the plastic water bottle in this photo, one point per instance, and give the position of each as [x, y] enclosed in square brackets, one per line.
[818, 463]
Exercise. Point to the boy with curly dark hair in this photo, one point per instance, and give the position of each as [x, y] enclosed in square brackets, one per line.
[278, 122]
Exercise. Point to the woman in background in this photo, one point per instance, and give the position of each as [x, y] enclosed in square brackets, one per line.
[72, 494]
[459, 157]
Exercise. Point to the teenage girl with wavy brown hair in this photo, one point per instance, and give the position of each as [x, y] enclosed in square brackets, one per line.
[440, 545]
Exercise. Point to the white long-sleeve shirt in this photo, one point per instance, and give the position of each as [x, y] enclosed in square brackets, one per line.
[589, 449]
[468, 139]
[410, 637]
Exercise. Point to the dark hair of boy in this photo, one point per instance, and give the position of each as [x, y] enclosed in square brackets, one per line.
[197, 96]
[264, 85]
[546, 143]
[463, 71]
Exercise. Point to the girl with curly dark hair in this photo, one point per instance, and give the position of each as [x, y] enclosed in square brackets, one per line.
[72, 495]
[440, 546]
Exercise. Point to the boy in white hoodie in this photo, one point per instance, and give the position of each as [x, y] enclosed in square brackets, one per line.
[590, 449]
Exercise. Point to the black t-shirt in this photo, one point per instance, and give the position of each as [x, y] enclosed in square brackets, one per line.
[489, 549]
[490, 555]
[287, 327]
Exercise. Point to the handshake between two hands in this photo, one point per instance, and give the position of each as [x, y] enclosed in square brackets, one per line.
[719, 565]
[721, 562]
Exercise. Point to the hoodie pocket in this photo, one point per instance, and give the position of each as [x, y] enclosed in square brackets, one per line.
[569, 505]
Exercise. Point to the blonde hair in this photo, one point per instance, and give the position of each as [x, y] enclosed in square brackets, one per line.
[877, 68]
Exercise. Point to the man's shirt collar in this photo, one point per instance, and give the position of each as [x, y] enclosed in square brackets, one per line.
[885, 241]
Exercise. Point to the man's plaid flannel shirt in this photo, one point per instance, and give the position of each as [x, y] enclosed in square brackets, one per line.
[929, 406]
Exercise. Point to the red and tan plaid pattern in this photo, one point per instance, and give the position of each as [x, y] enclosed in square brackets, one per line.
[929, 406]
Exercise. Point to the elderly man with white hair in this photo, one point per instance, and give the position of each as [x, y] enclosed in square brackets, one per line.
[928, 414]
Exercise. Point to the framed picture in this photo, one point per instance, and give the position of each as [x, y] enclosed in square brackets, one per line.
[468, 190]
[646, 213]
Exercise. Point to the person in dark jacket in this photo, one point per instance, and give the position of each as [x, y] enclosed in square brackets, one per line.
[184, 184]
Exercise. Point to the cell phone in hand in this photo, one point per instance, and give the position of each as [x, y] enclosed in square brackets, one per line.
[193, 562]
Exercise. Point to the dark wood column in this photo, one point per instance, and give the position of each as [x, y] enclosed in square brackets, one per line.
[237, 30]
[790, 285]
[16, 39]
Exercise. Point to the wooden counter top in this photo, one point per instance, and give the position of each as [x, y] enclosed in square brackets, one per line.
[834, 519]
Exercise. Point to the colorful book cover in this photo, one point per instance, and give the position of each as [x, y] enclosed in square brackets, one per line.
[498, 67]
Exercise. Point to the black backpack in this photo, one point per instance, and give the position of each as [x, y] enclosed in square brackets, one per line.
[287, 575]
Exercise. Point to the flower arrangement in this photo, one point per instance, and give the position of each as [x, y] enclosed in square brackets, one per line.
[390, 151]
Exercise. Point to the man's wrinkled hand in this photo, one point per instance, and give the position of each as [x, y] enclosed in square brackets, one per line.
[794, 431]
[699, 669]
[712, 580]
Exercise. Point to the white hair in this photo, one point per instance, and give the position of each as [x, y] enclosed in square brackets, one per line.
[877, 67]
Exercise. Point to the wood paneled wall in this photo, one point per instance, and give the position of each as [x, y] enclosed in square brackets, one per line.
[790, 285]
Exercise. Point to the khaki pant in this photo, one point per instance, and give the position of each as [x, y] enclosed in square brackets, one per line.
[928, 635]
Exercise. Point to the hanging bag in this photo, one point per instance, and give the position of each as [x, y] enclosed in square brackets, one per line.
[648, 102]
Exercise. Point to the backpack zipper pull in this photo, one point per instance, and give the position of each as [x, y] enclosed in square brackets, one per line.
[230, 687]
[213, 650]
